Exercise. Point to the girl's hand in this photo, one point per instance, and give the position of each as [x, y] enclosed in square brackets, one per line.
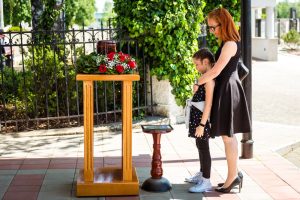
[199, 131]
[195, 88]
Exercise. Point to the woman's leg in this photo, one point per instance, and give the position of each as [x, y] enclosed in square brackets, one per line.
[231, 151]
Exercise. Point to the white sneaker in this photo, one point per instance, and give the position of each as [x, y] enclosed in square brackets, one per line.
[203, 186]
[195, 179]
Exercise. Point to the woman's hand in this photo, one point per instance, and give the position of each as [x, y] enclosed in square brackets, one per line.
[199, 131]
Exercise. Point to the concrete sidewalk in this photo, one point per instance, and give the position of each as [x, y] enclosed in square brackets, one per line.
[44, 165]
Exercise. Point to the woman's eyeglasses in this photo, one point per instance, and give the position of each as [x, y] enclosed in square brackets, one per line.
[213, 28]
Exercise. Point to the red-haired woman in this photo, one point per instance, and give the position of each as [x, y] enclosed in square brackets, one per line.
[230, 114]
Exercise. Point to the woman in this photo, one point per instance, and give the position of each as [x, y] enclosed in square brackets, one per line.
[230, 113]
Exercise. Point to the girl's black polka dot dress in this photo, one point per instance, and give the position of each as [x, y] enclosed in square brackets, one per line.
[196, 115]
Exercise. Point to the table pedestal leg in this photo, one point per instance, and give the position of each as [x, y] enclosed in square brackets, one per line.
[156, 183]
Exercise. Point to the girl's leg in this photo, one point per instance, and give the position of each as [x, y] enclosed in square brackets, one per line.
[200, 154]
[231, 151]
[205, 162]
[205, 184]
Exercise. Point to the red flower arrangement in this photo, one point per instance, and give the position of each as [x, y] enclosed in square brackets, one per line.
[111, 63]
[116, 63]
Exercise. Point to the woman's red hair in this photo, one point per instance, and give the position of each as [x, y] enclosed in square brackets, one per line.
[229, 31]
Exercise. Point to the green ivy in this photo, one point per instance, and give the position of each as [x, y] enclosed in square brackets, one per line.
[234, 8]
[168, 31]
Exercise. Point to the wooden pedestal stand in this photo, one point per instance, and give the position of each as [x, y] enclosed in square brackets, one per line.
[156, 183]
[107, 181]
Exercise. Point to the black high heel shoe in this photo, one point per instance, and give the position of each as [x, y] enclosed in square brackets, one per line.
[241, 177]
[236, 181]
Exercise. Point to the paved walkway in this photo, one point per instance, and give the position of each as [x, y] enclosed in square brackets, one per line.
[44, 164]
[294, 155]
[45, 167]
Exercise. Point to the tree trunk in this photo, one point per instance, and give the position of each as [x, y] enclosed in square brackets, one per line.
[37, 11]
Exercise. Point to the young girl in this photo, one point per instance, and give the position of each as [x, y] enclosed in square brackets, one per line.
[199, 126]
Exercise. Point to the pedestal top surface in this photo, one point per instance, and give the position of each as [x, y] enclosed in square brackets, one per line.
[165, 128]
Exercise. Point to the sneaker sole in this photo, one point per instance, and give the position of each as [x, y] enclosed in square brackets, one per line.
[190, 181]
[207, 190]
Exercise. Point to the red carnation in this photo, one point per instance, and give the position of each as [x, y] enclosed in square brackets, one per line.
[111, 56]
[120, 69]
[122, 57]
[131, 64]
[127, 56]
[102, 68]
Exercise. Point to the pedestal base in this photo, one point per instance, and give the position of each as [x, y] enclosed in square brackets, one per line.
[157, 185]
[107, 182]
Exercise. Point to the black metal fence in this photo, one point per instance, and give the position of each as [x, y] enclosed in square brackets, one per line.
[38, 89]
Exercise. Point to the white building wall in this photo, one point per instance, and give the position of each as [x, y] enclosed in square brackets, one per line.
[265, 49]
[263, 3]
[164, 101]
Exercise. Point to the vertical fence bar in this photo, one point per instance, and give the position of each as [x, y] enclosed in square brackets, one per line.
[67, 77]
[96, 102]
[145, 78]
[3, 89]
[44, 78]
[137, 83]
[55, 73]
[151, 92]
[114, 98]
[96, 84]
[105, 101]
[102, 30]
[24, 76]
[73, 42]
[15, 83]
[33, 41]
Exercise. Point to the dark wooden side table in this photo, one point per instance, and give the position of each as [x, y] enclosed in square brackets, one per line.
[156, 183]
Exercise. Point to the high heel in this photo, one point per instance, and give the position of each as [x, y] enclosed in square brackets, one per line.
[241, 177]
[236, 181]
[240, 174]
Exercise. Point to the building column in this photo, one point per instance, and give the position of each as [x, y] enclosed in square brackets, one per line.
[253, 18]
[270, 21]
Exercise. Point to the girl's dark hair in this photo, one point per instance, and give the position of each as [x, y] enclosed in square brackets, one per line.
[204, 53]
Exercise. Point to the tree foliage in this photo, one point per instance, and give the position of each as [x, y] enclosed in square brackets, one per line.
[79, 12]
[76, 12]
[49, 16]
[283, 9]
[108, 12]
[16, 11]
[169, 31]
[292, 39]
